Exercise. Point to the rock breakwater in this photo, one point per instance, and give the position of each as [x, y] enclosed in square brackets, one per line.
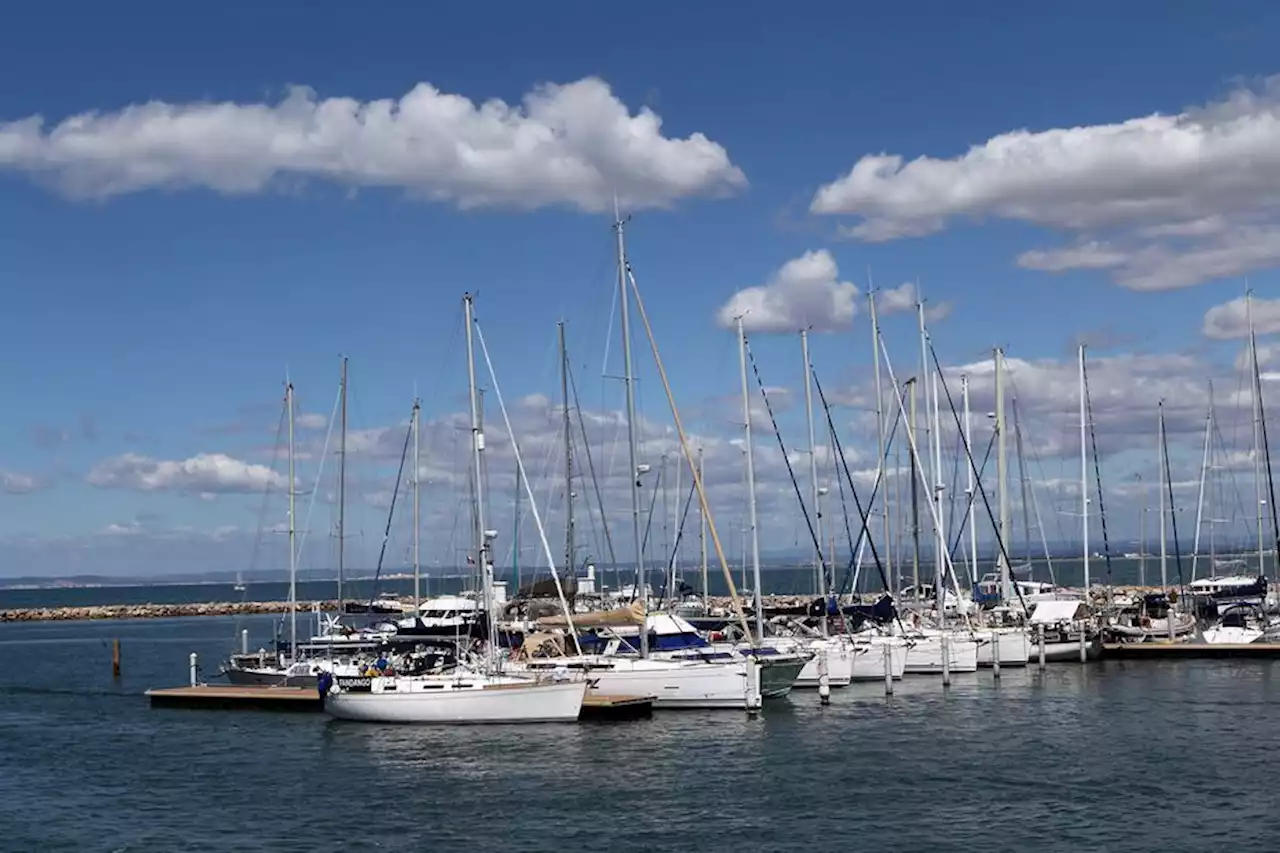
[154, 611]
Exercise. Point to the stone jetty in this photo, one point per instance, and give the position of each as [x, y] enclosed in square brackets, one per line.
[155, 611]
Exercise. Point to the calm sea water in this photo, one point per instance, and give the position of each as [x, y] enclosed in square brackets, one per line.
[777, 581]
[1115, 756]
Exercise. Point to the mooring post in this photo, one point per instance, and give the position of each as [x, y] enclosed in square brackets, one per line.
[1084, 654]
[194, 669]
[888, 669]
[824, 677]
[753, 686]
[946, 660]
[244, 641]
[995, 654]
[1040, 643]
[115, 658]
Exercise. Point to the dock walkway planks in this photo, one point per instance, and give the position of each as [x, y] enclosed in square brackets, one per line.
[234, 697]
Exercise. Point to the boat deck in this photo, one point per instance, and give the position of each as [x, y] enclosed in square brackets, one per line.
[250, 698]
[1190, 651]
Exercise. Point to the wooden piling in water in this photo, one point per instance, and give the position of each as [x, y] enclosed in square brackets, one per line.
[115, 658]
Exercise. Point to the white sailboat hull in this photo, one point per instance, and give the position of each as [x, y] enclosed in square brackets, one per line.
[1232, 635]
[406, 702]
[840, 656]
[672, 684]
[924, 657]
[868, 659]
[839, 665]
[1014, 645]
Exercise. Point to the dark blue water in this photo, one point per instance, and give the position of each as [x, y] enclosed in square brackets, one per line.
[1116, 756]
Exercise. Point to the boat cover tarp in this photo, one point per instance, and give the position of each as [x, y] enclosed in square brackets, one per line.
[617, 618]
[1052, 612]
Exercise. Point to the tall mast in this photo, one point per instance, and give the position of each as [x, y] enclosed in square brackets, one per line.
[702, 534]
[1084, 469]
[1002, 482]
[926, 461]
[629, 382]
[477, 455]
[820, 580]
[971, 486]
[1164, 550]
[342, 487]
[915, 497]
[293, 553]
[1024, 481]
[515, 533]
[881, 473]
[676, 526]
[665, 544]
[1256, 386]
[751, 484]
[1142, 532]
[570, 557]
[417, 474]
[1204, 476]
[940, 545]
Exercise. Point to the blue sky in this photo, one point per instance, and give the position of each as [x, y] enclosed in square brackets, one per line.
[161, 276]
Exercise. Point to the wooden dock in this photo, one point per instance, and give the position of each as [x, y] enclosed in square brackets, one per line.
[245, 698]
[597, 706]
[230, 697]
[1190, 651]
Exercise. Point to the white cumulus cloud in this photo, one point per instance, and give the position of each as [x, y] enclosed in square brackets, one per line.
[904, 297]
[211, 473]
[1231, 319]
[805, 292]
[1159, 201]
[16, 483]
[311, 420]
[574, 144]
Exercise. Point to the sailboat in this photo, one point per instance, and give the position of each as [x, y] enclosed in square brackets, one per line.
[284, 667]
[639, 653]
[467, 693]
[239, 587]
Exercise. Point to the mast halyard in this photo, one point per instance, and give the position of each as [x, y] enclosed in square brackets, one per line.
[1002, 483]
[342, 488]
[752, 521]
[819, 565]
[1142, 532]
[570, 557]
[477, 455]
[702, 535]
[1164, 546]
[970, 485]
[915, 495]
[1084, 470]
[1256, 388]
[293, 553]
[624, 299]
[417, 524]
[881, 462]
